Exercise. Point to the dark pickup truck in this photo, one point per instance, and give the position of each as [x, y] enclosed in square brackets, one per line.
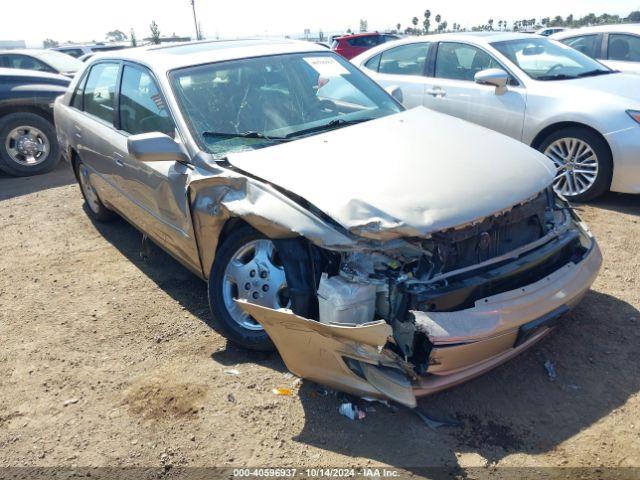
[28, 144]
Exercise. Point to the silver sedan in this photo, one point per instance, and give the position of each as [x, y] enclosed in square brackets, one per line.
[581, 114]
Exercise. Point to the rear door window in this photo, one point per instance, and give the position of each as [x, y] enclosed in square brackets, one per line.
[587, 44]
[100, 91]
[405, 59]
[142, 107]
[624, 47]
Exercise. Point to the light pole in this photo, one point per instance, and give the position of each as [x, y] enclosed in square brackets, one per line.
[195, 20]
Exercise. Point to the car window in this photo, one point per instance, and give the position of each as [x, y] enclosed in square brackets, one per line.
[142, 107]
[624, 47]
[100, 90]
[27, 63]
[546, 60]
[74, 52]
[373, 63]
[386, 38]
[459, 61]
[587, 44]
[78, 94]
[256, 102]
[404, 60]
[367, 41]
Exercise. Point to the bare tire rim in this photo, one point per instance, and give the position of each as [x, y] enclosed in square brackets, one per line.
[89, 192]
[576, 164]
[255, 274]
[27, 146]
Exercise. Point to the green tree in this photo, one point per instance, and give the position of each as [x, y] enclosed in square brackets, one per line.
[634, 17]
[132, 36]
[364, 25]
[155, 32]
[490, 24]
[49, 43]
[398, 28]
[426, 22]
[116, 36]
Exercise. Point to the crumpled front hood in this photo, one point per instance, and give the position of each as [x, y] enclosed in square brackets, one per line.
[408, 174]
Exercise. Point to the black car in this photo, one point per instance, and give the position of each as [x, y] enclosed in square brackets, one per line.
[28, 143]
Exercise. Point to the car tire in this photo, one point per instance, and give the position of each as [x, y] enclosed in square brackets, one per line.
[97, 210]
[23, 136]
[584, 161]
[231, 273]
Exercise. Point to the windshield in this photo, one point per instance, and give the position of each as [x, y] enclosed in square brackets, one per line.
[61, 62]
[258, 102]
[544, 59]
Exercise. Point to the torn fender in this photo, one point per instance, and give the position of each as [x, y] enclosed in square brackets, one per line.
[350, 358]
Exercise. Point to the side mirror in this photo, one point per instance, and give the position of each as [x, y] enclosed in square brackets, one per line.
[396, 92]
[493, 76]
[155, 147]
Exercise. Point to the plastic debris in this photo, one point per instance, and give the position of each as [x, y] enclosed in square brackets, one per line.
[282, 391]
[70, 401]
[435, 424]
[551, 370]
[351, 411]
[232, 371]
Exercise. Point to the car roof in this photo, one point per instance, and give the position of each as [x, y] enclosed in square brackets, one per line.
[33, 52]
[361, 34]
[616, 27]
[167, 57]
[20, 72]
[480, 38]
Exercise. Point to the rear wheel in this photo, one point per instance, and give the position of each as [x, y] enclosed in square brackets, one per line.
[28, 144]
[95, 207]
[583, 162]
[246, 267]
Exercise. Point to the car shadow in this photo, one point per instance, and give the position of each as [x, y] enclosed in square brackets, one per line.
[516, 408]
[11, 187]
[178, 282]
[618, 202]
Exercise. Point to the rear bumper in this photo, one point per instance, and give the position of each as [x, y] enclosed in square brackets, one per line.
[470, 342]
[625, 147]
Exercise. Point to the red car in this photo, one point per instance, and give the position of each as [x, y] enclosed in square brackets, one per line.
[351, 45]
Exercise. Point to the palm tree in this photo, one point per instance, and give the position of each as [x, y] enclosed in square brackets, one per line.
[490, 22]
[426, 23]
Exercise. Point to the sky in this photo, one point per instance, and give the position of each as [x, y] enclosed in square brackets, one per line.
[87, 20]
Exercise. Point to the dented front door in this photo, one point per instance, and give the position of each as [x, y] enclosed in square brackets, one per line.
[350, 358]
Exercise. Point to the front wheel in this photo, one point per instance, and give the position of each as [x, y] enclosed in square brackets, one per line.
[246, 267]
[28, 144]
[583, 162]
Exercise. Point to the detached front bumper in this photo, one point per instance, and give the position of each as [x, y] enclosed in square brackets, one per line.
[469, 342]
[355, 358]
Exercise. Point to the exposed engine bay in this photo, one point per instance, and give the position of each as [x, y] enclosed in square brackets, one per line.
[446, 272]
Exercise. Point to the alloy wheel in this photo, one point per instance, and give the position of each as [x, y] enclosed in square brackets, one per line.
[255, 274]
[576, 164]
[89, 192]
[27, 146]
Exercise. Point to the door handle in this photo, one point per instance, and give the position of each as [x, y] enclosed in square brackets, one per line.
[118, 159]
[436, 92]
[78, 131]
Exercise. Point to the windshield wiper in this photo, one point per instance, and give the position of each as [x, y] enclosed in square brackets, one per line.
[593, 73]
[249, 134]
[335, 123]
[559, 76]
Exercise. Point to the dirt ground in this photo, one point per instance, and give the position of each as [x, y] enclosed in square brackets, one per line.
[108, 360]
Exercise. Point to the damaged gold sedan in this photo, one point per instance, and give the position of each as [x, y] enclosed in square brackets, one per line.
[383, 252]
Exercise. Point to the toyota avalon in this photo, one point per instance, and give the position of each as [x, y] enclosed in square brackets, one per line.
[385, 252]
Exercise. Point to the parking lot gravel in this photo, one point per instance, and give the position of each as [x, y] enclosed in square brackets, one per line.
[108, 359]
